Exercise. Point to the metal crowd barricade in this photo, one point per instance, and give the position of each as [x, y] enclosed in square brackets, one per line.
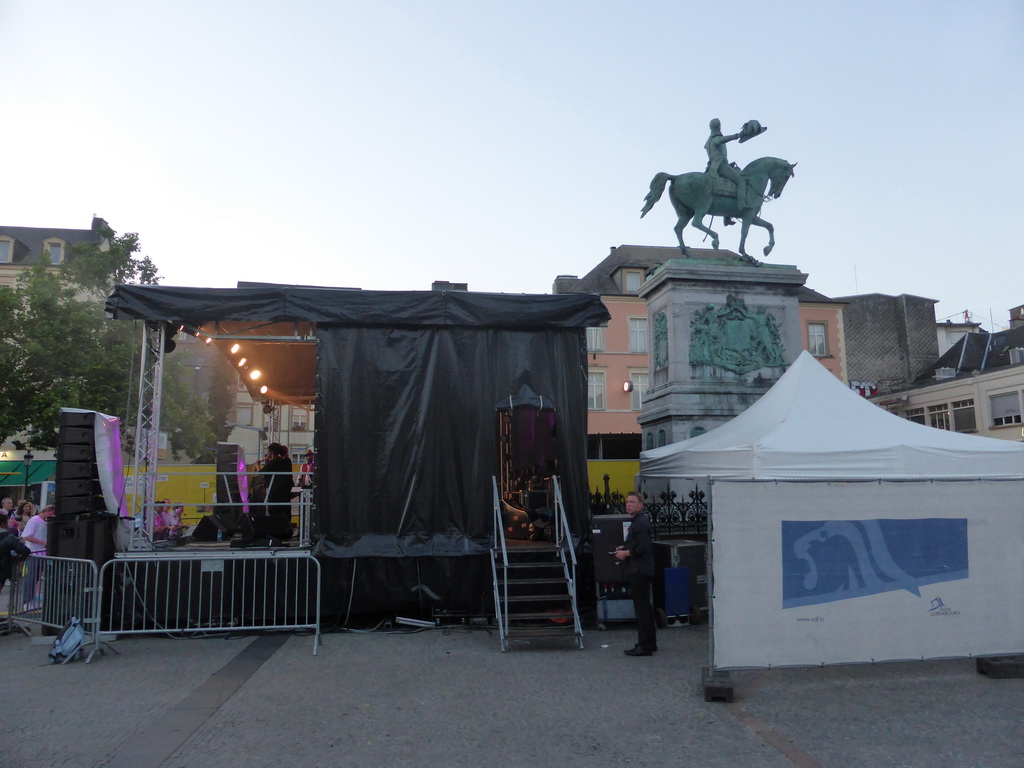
[50, 591]
[199, 593]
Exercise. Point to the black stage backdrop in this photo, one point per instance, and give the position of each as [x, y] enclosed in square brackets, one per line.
[407, 432]
[407, 436]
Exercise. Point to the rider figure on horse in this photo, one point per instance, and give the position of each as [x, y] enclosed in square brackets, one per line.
[718, 158]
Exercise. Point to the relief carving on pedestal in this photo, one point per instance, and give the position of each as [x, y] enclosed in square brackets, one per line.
[735, 338]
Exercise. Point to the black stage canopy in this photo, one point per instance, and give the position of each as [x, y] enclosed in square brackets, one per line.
[406, 386]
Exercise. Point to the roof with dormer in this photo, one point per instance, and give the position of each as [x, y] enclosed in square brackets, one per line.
[602, 278]
[28, 241]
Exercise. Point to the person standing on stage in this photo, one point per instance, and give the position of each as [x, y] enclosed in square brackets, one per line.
[306, 471]
[277, 473]
[637, 554]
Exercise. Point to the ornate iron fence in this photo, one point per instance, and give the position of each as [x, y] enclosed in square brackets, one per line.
[670, 515]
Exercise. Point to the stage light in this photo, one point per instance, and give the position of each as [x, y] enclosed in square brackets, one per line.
[263, 389]
[241, 362]
[235, 348]
[209, 339]
[627, 386]
[254, 375]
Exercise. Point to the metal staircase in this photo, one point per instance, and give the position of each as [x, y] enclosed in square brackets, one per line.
[535, 581]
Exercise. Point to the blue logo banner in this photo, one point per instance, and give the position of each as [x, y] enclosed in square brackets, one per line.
[828, 560]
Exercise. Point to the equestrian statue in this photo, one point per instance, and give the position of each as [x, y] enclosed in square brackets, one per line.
[723, 189]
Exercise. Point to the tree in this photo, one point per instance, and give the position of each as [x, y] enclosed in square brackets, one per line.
[97, 268]
[60, 351]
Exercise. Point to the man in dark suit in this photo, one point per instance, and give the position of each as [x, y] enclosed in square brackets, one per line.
[638, 557]
[277, 474]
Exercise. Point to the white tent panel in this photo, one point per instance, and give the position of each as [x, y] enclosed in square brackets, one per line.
[810, 426]
[811, 573]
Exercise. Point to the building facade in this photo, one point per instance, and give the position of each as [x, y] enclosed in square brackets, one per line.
[976, 386]
[890, 340]
[24, 247]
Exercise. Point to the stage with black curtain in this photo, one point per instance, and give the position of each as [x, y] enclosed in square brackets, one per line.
[408, 433]
[408, 389]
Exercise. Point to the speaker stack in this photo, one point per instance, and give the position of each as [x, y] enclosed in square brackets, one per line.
[80, 528]
[78, 480]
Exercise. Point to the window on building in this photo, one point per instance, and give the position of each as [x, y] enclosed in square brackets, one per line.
[595, 391]
[938, 416]
[639, 390]
[1005, 409]
[300, 420]
[638, 334]
[915, 415]
[817, 337]
[964, 419]
[632, 279]
[613, 447]
[243, 415]
[595, 339]
[661, 438]
[5, 251]
[56, 250]
[650, 441]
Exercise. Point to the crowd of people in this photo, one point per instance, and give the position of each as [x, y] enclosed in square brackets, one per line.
[23, 534]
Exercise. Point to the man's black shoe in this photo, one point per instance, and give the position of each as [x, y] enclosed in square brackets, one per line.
[638, 651]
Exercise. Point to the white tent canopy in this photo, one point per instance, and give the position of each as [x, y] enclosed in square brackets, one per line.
[810, 426]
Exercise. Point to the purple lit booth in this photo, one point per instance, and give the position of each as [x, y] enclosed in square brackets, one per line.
[421, 398]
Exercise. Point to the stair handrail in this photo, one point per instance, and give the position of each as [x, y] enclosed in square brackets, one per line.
[563, 539]
[562, 531]
[500, 600]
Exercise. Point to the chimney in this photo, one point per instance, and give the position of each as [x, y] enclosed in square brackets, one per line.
[444, 285]
[1017, 317]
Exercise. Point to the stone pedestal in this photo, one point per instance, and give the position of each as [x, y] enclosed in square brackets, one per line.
[723, 332]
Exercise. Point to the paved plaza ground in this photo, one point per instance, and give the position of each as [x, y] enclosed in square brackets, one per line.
[449, 697]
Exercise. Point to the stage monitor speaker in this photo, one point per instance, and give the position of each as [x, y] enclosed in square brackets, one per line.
[271, 526]
[78, 488]
[232, 479]
[206, 529]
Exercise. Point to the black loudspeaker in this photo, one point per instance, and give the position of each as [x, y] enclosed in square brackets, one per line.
[232, 479]
[271, 526]
[78, 480]
[84, 538]
[206, 529]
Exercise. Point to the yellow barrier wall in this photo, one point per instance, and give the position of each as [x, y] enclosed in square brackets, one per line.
[183, 485]
[621, 475]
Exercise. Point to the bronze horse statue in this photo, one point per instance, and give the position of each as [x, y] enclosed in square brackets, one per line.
[695, 195]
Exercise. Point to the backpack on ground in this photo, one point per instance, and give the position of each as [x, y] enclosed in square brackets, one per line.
[67, 646]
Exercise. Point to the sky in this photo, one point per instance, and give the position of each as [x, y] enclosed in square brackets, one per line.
[388, 144]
